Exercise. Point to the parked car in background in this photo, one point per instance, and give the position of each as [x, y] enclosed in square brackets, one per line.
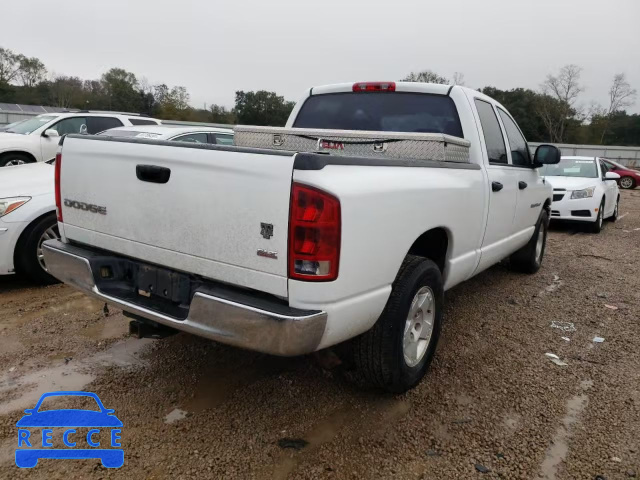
[347, 225]
[193, 134]
[583, 191]
[27, 218]
[629, 178]
[4, 128]
[36, 139]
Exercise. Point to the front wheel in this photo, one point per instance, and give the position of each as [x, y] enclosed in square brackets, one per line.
[13, 159]
[29, 259]
[596, 226]
[396, 353]
[529, 258]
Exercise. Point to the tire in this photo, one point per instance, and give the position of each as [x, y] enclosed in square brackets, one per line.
[627, 183]
[11, 159]
[27, 259]
[529, 258]
[596, 227]
[614, 216]
[379, 354]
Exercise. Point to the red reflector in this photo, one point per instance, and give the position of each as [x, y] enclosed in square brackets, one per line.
[374, 87]
[314, 234]
[57, 183]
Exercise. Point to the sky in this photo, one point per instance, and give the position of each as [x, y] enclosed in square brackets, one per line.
[214, 48]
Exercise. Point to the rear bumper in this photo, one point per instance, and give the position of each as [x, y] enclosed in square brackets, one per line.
[217, 314]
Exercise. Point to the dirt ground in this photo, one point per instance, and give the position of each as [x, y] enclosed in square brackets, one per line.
[492, 406]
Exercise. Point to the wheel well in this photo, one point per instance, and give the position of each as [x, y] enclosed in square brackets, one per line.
[32, 159]
[21, 239]
[433, 245]
[547, 205]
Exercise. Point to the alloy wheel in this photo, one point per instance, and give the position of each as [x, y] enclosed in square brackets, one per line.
[419, 326]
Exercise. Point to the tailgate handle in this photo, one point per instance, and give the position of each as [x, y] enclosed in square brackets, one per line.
[153, 173]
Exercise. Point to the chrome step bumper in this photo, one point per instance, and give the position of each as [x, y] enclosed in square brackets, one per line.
[273, 329]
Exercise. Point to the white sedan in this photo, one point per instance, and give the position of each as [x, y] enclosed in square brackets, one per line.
[191, 134]
[36, 139]
[583, 191]
[28, 207]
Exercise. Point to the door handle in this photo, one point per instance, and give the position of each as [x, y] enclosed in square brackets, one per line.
[522, 185]
[153, 173]
[496, 186]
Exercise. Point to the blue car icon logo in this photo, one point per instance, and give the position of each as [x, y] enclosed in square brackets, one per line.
[32, 447]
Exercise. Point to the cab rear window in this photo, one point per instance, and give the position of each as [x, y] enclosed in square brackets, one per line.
[381, 111]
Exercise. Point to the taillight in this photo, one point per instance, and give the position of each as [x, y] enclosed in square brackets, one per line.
[374, 87]
[314, 234]
[57, 176]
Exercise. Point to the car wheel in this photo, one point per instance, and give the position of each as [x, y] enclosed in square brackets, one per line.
[13, 159]
[596, 227]
[396, 353]
[627, 182]
[29, 259]
[529, 258]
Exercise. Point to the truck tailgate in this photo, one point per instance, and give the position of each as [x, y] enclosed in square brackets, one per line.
[217, 210]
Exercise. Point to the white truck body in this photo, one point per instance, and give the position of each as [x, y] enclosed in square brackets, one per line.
[208, 221]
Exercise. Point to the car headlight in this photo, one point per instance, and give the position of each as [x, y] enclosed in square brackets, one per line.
[8, 205]
[584, 193]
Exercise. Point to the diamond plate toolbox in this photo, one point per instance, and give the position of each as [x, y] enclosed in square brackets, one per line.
[352, 143]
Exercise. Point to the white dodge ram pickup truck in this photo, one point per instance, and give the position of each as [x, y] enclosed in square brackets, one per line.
[291, 251]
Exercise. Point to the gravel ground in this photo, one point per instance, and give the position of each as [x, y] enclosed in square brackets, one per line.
[492, 406]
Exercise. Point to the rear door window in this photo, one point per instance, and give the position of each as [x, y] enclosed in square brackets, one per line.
[100, 124]
[381, 111]
[493, 138]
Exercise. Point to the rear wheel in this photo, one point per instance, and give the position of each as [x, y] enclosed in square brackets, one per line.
[627, 182]
[13, 159]
[596, 227]
[396, 353]
[529, 258]
[29, 259]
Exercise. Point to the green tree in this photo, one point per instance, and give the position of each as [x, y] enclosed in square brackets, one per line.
[426, 76]
[121, 88]
[31, 71]
[9, 65]
[262, 108]
[172, 103]
[65, 92]
[220, 114]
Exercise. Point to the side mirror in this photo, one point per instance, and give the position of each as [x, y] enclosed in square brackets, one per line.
[83, 129]
[546, 155]
[51, 133]
[611, 176]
